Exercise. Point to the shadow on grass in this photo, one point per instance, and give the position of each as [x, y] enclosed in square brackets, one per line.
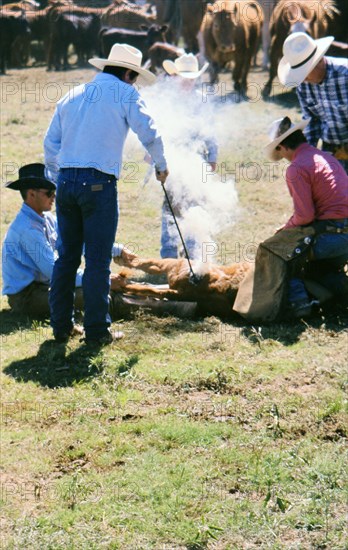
[13, 322]
[53, 366]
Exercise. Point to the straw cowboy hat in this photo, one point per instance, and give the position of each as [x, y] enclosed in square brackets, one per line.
[301, 55]
[124, 55]
[186, 66]
[31, 176]
[281, 129]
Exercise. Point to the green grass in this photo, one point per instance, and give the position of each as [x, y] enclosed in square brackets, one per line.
[185, 435]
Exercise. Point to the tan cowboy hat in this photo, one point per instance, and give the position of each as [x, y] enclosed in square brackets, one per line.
[301, 55]
[279, 130]
[186, 66]
[124, 55]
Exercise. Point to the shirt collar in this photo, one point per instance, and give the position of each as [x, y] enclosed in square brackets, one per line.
[106, 77]
[328, 73]
[301, 148]
[27, 211]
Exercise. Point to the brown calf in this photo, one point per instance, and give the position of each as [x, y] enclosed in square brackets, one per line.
[214, 292]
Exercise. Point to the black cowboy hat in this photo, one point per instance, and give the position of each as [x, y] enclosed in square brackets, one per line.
[31, 176]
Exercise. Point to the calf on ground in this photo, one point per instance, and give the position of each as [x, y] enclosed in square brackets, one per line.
[214, 290]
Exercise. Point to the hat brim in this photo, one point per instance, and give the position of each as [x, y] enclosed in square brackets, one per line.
[170, 68]
[31, 183]
[270, 150]
[145, 76]
[294, 77]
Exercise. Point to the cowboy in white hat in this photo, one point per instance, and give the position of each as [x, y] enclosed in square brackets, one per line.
[85, 142]
[184, 74]
[185, 66]
[318, 185]
[322, 89]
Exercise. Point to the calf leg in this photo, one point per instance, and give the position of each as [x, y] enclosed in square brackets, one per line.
[154, 266]
[140, 289]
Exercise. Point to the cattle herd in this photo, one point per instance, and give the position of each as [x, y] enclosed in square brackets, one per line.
[227, 33]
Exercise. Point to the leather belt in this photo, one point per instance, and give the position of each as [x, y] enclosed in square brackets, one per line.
[333, 229]
[329, 226]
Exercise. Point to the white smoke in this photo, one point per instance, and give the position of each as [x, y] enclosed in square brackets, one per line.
[208, 203]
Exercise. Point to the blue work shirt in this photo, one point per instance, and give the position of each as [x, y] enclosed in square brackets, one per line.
[29, 251]
[91, 123]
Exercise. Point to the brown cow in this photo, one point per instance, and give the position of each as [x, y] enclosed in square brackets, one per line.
[160, 51]
[126, 17]
[231, 32]
[296, 16]
[214, 292]
[183, 17]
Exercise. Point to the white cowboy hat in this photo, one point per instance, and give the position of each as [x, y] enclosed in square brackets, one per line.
[124, 55]
[279, 130]
[186, 66]
[301, 55]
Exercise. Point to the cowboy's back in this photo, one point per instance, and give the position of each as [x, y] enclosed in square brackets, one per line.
[91, 123]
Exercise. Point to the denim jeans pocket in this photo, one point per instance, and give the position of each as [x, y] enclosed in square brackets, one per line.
[97, 194]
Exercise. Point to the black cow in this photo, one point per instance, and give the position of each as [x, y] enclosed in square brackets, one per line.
[12, 26]
[69, 28]
[142, 40]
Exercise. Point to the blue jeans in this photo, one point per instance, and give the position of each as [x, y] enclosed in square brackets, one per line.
[170, 239]
[330, 252]
[87, 214]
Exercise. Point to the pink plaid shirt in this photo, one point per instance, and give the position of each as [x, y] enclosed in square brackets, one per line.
[318, 185]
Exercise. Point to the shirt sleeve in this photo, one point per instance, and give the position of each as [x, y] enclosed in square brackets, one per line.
[143, 125]
[52, 143]
[299, 185]
[117, 250]
[41, 253]
[313, 131]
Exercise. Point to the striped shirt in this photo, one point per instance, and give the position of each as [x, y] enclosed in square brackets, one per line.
[326, 104]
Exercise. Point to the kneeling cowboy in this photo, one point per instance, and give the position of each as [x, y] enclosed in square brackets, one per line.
[318, 228]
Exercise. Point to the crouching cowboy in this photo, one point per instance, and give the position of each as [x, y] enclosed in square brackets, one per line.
[312, 246]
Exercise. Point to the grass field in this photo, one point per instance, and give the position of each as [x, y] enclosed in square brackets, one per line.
[185, 435]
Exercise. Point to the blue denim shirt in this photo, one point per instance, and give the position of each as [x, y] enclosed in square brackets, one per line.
[30, 250]
[91, 123]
